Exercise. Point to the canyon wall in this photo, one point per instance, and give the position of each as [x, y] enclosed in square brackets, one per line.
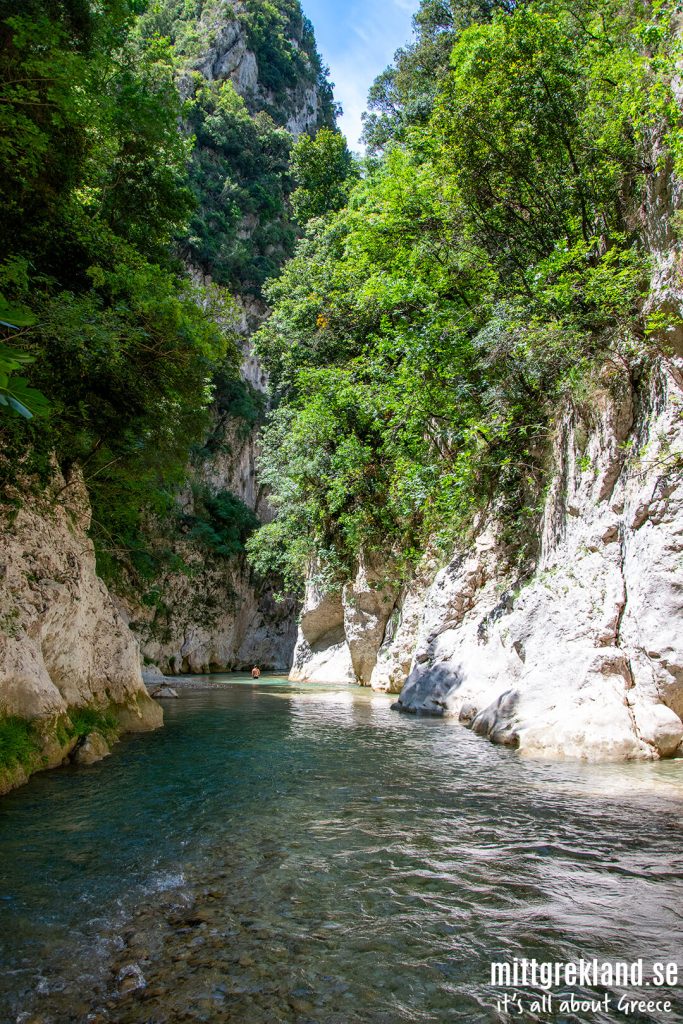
[583, 656]
[63, 644]
[214, 614]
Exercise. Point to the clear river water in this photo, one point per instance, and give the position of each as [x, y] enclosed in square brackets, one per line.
[303, 854]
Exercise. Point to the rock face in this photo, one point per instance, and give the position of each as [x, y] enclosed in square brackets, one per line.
[226, 56]
[585, 657]
[215, 619]
[216, 616]
[340, 634]
[368, 602]
[322, 654]
[63, 644]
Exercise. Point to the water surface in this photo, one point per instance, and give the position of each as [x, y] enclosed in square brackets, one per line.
[303, 854]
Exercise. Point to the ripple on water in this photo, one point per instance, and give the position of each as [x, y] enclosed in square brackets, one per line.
[303, 854]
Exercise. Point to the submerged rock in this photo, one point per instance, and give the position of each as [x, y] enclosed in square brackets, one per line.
[131, 979]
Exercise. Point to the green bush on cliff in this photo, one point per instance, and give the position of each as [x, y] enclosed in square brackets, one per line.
[89, 719]
[324, 171]
[281, 38]
[19, 744]
[220, 522]
[239, 408]
[241, 231]
[239, 171]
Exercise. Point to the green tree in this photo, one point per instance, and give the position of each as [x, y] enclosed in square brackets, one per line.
[324, 172]
[403, 94]
[240, 232]
[95, 187]
[423, 336]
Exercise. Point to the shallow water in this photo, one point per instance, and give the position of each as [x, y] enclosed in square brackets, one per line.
[303, 854]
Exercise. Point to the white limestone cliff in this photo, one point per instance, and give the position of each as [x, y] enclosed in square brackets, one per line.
[63, 644]
[585, 657]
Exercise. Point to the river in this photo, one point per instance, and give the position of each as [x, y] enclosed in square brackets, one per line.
[303, 854]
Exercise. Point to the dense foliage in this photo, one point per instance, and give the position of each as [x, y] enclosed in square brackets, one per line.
[220, 523]
[404, 94]
[484, 264]
[324, 171]
[241, 231]
[285, 49]
[94, 182]
[19, 744]
[488, 264]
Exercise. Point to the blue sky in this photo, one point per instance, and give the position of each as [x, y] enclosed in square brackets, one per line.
[358, 38]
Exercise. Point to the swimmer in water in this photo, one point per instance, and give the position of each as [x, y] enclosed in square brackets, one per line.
[255, 672]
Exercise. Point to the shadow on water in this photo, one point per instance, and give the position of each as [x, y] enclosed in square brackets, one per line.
[303, 854]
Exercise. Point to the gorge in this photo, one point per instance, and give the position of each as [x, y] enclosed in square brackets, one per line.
[400, 428]
[490, 527]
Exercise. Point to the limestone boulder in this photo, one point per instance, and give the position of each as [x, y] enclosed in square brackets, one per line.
[368, 603]
[322, 653]
[93, 748]
[397, 650]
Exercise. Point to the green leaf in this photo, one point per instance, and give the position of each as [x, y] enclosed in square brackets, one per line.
[11, 359]
[23, 399]
[21, 409]
[15, 316]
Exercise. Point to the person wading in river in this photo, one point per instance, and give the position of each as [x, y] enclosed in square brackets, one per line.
[255, 672]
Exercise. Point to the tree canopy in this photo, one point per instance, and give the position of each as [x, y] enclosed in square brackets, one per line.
[324, 171]
[95, 188]
[486, 266]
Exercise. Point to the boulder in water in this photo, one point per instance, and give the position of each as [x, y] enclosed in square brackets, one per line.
[131, 979]
[93, 748]
[164, 693]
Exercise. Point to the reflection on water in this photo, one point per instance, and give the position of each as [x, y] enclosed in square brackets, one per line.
[303, 854]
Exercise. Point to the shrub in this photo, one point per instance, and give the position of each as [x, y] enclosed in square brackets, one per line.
[19, 744]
